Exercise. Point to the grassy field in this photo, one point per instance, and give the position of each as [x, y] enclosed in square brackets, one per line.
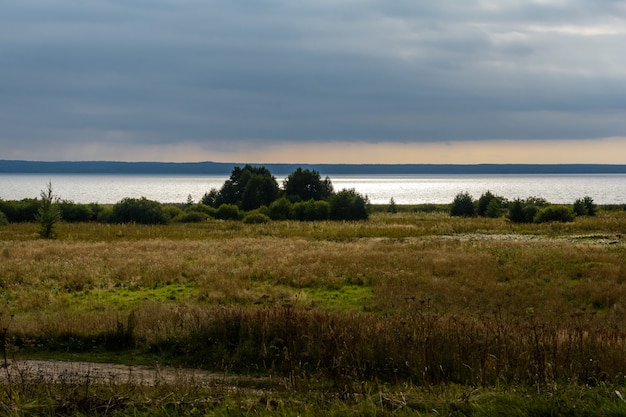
[407, 313]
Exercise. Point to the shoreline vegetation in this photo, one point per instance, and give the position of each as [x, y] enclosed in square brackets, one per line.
[457, 309]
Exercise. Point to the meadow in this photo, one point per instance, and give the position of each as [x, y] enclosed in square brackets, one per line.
[407, 313]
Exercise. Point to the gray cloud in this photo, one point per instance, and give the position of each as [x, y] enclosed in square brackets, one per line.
[213, 71]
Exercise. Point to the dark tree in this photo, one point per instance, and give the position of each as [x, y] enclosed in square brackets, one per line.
[248, 188]
[305, 185]
[463, 205]
[348, 205]
[585, 207]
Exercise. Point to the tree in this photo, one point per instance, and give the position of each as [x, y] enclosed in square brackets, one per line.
[138, 210]
[392, 206]
[463, 205]
[585, 207]
[49, 213]
[485, 201]
[248, 188]
[260, 190]
[305, 185]
[349, 205]
[516, 211]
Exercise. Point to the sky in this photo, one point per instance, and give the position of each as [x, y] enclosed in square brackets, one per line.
[342, 81]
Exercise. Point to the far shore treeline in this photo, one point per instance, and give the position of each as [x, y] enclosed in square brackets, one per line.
[252, 194]
[224, 168]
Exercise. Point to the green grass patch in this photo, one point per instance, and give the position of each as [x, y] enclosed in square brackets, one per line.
[125, 298]
[345, 298]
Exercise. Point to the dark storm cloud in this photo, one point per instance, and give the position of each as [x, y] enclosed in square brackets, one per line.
[213, 71]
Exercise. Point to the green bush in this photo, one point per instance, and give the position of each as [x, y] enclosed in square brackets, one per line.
[585, 207]
[322, 210]
[299, 211]
[73, 212]
[256, 217]
[227, 212]
[311, 210]
[172, 211]
[189, 217]
[138, 210]
[3, 219]
[202, 208]
[349, 205]
[20, 211]
[529, 213]
[555, 214]
[463, 205]
[280, 209]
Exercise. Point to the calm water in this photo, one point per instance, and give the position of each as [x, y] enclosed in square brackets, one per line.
[405, 189]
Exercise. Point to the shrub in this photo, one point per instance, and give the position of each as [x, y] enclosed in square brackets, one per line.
[202, 208]
[20, 211]
[227, 212]
[73, 212]
[349, 205]
[322, 210]
[529, 213]
[256, 217]
[105, 215]
[190, 217]
[280, 209]
[172, 211]
[585, 207]
[392, 206]
[299, 211]
[138, 210]
[463, 205]
[554, 214]
[3, 219]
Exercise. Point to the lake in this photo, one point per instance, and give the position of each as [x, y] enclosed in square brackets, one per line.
[405, 189]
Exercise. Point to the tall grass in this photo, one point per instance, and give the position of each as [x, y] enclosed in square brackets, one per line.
[453, 300]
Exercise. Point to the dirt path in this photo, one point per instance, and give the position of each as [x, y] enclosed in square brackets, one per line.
[109, 373]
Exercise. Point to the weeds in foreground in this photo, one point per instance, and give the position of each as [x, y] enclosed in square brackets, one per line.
[529, 316]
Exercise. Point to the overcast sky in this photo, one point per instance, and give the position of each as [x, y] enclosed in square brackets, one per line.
[403, 81]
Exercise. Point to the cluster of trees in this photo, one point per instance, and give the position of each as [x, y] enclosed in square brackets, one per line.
[304, 196]
[529, 210]
[250, 194]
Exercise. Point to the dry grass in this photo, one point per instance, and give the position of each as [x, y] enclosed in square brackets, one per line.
[464, 300]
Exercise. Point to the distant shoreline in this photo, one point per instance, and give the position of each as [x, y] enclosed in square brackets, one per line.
[225, 168]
